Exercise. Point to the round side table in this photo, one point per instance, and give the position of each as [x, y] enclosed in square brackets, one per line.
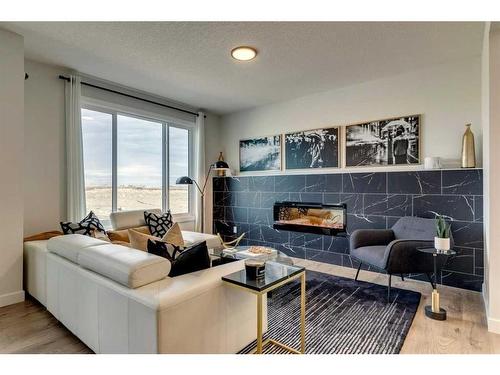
[434, 311]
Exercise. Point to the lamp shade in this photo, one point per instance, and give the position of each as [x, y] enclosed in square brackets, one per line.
[184, 180]
[220, 165]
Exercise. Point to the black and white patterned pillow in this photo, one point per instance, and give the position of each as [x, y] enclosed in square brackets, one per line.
[86, 226]
[158, 224]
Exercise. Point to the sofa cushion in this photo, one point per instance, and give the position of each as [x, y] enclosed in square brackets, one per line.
[69, 246]
[174, 236]
[191, 238]
[130, 267]
[158, 224]
[373, 255]
[122, 234]
[139, 240]
[129, 219]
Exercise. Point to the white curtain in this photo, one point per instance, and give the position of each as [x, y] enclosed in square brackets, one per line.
[199, 169]
[74, 151]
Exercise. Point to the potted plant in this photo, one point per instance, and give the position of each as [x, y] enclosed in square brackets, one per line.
[442, 239]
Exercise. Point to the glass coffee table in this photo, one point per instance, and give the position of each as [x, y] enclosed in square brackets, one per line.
[242, 252]
[276, 275]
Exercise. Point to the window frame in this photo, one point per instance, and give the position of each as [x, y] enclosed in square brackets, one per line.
[166, 123]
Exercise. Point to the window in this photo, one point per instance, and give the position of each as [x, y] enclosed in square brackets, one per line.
[97, 159]
[178, 159]
[139, 169]
[132, 162]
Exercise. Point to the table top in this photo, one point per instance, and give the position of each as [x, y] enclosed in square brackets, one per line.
[275, 273]
[239, 253]
[433, 250]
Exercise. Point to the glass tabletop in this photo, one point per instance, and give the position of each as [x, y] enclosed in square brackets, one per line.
[242, 252]
[433, 250]
[275, 273]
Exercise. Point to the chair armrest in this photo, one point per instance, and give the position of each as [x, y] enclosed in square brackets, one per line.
[370, 237]
[403, 257]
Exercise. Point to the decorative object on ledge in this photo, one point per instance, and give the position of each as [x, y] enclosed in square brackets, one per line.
[310, 149]
[394, 141]
[431, 162]
[327, 219]
[185, 180]
[221, 172]
[468, 149]
[260, 154]
[442, 239]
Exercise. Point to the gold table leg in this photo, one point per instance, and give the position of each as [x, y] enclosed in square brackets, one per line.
[261, 343]
[303, 313]
[259, 324]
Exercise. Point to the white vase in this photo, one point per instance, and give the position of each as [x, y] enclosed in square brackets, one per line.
[442, 244]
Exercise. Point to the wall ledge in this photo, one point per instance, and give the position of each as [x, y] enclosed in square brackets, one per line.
[11, 298]
[346, 171]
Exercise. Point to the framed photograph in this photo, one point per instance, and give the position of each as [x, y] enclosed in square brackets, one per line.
[311, 149]
[260, 154]
[394, 141]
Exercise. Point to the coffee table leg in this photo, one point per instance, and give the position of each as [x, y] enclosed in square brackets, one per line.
[303, 313]
[259, 324]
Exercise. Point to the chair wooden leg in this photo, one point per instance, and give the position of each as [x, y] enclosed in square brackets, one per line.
[357, 272]
[389, 289]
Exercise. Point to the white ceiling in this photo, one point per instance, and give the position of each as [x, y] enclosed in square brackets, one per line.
[189, 61]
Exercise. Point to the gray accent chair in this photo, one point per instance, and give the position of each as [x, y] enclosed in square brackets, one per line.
[395, 250]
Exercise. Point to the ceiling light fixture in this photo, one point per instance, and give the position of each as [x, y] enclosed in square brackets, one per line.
[243, 53]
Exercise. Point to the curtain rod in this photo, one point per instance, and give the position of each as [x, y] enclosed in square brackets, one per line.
[132, 96]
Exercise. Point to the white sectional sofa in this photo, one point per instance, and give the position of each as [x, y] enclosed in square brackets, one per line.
[120, 300]
[132, 219]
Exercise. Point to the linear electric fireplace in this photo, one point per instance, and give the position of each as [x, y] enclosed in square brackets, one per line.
[328, 219]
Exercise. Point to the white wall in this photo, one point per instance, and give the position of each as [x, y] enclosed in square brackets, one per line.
[448, 96]
[11, 167]
[492, 184]
[44, 167]
[212, 149]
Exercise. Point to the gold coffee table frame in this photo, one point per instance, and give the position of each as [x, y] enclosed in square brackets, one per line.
[262, 343]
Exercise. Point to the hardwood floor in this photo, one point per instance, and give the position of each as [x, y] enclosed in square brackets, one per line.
[28, 328]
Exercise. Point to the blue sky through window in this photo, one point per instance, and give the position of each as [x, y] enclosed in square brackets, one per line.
[139, 151]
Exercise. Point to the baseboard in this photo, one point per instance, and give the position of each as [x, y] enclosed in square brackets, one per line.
[11, 298]
[493, 324]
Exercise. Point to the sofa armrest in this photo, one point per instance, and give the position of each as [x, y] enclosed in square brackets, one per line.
[370, 237]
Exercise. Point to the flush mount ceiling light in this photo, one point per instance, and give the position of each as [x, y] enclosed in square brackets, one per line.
[243, 53]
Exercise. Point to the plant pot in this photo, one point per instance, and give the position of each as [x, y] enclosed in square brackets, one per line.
[442, 244]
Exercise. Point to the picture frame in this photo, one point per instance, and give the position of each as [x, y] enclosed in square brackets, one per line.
[261, 154]
[392, 141]
[312, 149]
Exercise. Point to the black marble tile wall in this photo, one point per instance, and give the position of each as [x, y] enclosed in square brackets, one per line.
[374, 200]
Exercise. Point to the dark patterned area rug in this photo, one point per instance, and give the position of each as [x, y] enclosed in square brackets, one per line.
[342, 317]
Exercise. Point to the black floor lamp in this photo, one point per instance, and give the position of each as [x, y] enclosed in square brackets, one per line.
[186, 180]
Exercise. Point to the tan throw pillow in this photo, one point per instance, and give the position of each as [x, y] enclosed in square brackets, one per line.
[139, 240]
[122, 235]
[174, 236]
[100, 235]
